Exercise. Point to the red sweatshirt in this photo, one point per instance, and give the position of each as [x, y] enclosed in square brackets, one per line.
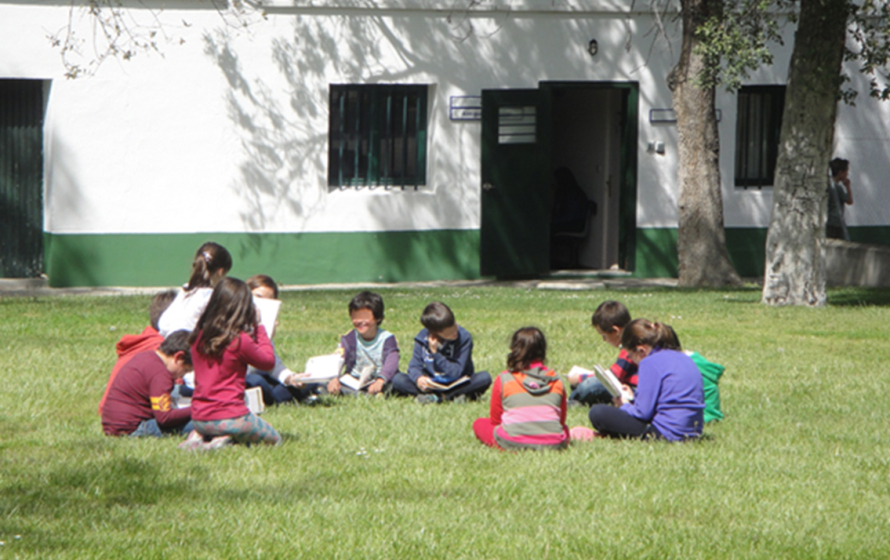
[127, 347]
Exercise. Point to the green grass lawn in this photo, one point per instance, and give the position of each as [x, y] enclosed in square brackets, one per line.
[798, 469]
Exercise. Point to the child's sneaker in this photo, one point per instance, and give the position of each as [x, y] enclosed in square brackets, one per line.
[193, 442]
[581, 433]
[429, 398]
[218, 442]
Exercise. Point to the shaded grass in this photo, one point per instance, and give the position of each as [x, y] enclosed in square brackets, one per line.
[799, 468]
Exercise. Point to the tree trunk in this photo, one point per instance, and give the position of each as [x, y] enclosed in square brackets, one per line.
[794, 270]
[701, 239]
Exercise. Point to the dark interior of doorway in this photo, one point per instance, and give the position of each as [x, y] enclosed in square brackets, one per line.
[585, 191]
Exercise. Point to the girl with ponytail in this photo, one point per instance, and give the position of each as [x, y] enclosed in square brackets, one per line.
[211, 263]
[669, 401]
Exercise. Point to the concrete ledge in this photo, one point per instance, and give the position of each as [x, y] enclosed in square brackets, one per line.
[856, 264]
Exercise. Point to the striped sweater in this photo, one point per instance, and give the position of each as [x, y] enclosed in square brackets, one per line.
[528, 410]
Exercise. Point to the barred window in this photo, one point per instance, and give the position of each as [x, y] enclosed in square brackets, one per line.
[758, 123]
[377, 136]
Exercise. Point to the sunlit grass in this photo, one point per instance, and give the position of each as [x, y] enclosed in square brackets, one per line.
[800, 467]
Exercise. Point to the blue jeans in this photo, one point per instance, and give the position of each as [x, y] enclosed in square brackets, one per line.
[474, 388]
[150, 428]
[275, 392]
[591, 392]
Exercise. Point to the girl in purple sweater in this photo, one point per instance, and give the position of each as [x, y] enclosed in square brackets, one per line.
[669, 401]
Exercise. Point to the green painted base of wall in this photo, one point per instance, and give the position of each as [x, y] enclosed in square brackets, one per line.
[656, 255]
[657, 252]
[305, 258]
[318, 258]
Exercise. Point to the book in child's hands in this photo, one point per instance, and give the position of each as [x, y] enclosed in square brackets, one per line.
[353, 383]
[253, 398]
[322, 368]
[447, 386]
[357, 384]
[268, 313]
[611, 383]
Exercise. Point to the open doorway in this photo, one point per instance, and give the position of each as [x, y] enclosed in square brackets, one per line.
[587, 150]
[534, 143]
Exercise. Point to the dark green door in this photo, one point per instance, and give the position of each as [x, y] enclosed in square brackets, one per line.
[21, 178]
[515, 208]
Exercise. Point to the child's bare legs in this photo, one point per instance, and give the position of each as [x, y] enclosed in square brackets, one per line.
[244, 429]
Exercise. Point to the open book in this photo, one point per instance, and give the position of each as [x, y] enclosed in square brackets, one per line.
[268, 313]
[353, 383]
[448, 386]
[253, 398]
[611, 383]
[322, 368]
[364, 379]
[607, 378]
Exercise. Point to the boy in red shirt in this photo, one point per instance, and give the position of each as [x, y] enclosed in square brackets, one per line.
[138, 401]
[609, 320]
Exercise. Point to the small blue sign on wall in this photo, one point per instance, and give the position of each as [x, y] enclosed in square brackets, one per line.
[465, 108]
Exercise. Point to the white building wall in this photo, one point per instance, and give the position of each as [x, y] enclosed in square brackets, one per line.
[227, 131]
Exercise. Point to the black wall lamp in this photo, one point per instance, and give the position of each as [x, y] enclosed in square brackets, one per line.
[593, 47]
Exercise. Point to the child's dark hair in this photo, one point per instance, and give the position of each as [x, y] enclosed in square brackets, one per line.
[644, 331]
[527, 346]
[437, 317]
[263, 281]
[368, 300]
[209, 258]
[610, 314]
[177, 341]
[158, 305]
[838, 166]
[229, 312]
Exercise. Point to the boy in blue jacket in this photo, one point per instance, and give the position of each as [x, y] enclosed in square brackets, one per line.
[443, 355]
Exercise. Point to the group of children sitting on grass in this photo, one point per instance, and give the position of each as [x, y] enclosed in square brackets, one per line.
[213, 327]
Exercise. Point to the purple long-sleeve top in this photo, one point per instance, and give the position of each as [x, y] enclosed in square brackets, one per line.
[669, 395]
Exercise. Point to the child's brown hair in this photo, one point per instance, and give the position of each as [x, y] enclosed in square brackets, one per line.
[527, 346]
[158, 305]
[645, 332]
[610, 314]
[229, 312]
[209, 258]
[437, 317]
[263, 281]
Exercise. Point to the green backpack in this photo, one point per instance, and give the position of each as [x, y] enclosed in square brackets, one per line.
[710, 375]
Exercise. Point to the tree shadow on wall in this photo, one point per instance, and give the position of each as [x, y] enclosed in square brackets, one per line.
[280, 109]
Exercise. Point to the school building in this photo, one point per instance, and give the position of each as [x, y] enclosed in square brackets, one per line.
[387, 140]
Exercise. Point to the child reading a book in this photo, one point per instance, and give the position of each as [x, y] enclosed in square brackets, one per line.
[609, 320]
[370, 354]
[227, 338]
[528, 401]
[280, 384]
[138, 401]
[669, 401]
[441, 367]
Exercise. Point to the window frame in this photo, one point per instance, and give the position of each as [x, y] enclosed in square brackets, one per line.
[758, 125]
[382, 129]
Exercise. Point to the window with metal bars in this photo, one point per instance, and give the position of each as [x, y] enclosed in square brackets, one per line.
[758, 123]
[377, 136]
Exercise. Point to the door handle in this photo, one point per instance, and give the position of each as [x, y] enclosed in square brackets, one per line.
[486, 186]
